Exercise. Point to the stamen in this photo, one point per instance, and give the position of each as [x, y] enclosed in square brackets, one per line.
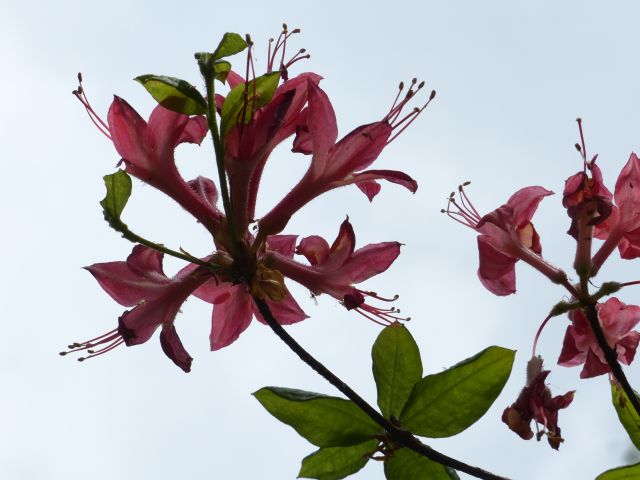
[466, 214]
[108, 341]
[80, 94]
[393, 115]
[583, 150]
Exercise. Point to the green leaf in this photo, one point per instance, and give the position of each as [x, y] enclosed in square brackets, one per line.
[334, 463]
[396, 368]
[626, 413]
[630, 472]
[449, 402]
[230, 44]
[174, 94]
[259, 92]
[324, 421]
[406, 464]
[118, 192]
[221, 70]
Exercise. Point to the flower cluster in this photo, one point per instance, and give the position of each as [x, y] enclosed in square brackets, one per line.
[245, 263]
[507, 235]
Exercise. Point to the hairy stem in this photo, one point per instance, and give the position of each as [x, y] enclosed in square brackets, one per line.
[611, 356]
[396, 434]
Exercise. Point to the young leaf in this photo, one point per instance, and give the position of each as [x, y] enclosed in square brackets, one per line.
[221, 70]
[324, 421]
[396, 368]
[630, 472]
[230, 44]
[118, 192]
[406, 464]
[334, 463]
[174, 94]
[449, 402]
[626, 413]
[259, 91]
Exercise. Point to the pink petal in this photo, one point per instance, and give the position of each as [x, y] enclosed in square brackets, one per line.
[371, 260]
[133, 281]
[616, 318]
[496, 270]
[165, 130]
[629, 245]
[213, 291]
[315, 249]
[322, 120]
[355, 151]
[173, 348]
[286, 312]
[283, 244]
[302, 143]
[129, 133]
[525, 203]
[628, 345]
[206, 190]
[231, 317]
[342, 247]
[571, 355]
[194, 131]
[627, 192]
[370, 188]
[146, 260]
[393, 176]
[137, 325]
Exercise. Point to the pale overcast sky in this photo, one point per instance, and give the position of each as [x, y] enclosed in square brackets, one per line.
[511, 79]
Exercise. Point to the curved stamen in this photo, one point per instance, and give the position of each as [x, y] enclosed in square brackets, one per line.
[100, 124]
[467, 213]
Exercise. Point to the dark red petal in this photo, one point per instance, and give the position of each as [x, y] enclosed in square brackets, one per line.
[173, 348]
[496, 270]
[593, 366]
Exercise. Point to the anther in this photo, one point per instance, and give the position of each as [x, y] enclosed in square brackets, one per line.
[433, 95]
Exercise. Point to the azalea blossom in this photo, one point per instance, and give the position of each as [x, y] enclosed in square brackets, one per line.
[536, 403]
[338, 164]
[245, 264]
[506, 236]
[584, 195]
[580, 345]
[335, 269]
[622, 228]
[140, 282]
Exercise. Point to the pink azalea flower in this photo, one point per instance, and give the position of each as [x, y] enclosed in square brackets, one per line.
[334, 270]
[233, 304]
[506, 236]
[248, 146]
[156, 299]
[622, 228]
[583, 193]
[147, 151]
[536, 403]
[581, 347]
[338, 164]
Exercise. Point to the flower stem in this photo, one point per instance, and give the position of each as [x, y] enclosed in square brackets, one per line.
[396, 434]
[611, 356]
[205, 62]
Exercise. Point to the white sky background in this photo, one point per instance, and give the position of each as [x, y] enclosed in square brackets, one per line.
[511, 78]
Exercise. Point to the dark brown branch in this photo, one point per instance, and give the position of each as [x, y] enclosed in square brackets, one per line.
[395, 433]
[611, 356]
